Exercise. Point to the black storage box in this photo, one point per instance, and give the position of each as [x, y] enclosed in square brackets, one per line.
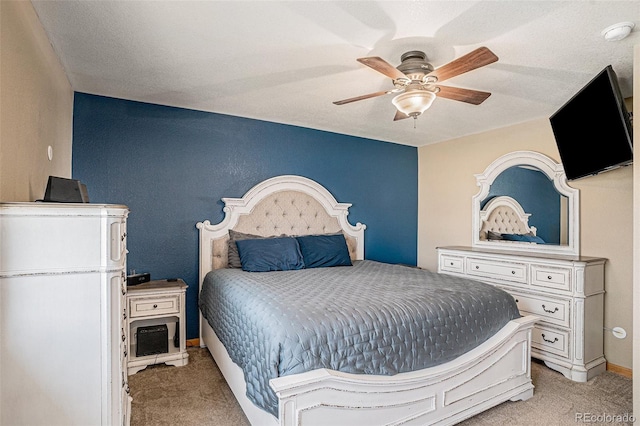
[152, 340]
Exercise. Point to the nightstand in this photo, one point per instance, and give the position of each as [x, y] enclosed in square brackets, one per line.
[158, 307]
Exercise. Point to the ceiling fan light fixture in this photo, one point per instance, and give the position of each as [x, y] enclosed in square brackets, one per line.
[414, 103]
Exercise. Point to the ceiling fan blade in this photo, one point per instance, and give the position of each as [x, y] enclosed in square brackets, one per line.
[400, 116]
[478, 58]
[359, 98]
[469, 96]
[382, 66]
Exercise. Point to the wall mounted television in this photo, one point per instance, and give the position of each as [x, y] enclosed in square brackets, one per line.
[593, 129]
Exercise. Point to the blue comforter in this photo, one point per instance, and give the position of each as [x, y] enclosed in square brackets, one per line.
[369, 318]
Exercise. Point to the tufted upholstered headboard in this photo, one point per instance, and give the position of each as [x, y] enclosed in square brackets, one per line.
[504, 215]
[288, 204]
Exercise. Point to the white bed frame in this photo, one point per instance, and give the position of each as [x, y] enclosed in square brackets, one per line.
[496, 371]
[505, 215]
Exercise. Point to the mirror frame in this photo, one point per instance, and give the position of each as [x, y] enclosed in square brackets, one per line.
[555, 172]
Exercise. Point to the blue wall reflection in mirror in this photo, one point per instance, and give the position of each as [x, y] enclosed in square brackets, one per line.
[536, 194]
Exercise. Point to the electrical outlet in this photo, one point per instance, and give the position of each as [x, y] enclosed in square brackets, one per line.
[619, 332]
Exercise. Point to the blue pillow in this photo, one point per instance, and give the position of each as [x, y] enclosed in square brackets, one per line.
[523, 237]
[270, 254]
[324, 250]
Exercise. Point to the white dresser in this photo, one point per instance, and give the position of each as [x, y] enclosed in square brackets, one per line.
[63, 338]
[566, 292]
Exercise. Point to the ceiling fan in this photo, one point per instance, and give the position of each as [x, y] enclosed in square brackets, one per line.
[418, 83]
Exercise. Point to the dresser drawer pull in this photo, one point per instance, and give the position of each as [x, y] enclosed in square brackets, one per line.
[513, 272]
[451, 263]
[549, 341]
[477, 267]
[548, 311]
[549, 277]
[155, 306]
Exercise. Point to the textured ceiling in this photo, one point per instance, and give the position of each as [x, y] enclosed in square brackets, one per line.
[286, 62]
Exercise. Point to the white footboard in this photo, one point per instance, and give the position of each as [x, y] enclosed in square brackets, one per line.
[494, 372]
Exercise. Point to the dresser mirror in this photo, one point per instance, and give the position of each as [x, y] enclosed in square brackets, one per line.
[526, 204]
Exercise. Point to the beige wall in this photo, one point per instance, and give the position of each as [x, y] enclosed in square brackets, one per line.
[36, 106]
[636, 239]
[447, 183]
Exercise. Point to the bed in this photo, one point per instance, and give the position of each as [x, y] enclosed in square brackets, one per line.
[455, 387]
[503, 219]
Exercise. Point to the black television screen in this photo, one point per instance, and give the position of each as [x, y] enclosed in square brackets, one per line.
[593, 129]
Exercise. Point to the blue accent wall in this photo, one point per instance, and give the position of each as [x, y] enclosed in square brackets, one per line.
[171, 166]
[537, 196]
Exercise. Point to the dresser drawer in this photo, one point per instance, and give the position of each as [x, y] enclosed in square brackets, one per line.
[498, 270]
[555, 311]
[154, 306]
[117, 243]
[545, 276]
[552, 341]
[452, 264]
[124, 351]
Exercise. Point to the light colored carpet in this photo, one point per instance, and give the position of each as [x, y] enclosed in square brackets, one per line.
[197, 394]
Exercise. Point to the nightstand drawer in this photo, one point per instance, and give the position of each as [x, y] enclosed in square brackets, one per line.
[154, 306]
[544, 276]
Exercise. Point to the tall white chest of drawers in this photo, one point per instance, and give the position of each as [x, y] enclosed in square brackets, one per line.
[566, 292]
[63, 339]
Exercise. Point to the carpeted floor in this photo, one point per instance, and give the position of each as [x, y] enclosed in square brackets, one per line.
[197, 394]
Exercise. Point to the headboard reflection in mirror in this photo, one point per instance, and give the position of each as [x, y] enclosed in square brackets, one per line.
[526, 204]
